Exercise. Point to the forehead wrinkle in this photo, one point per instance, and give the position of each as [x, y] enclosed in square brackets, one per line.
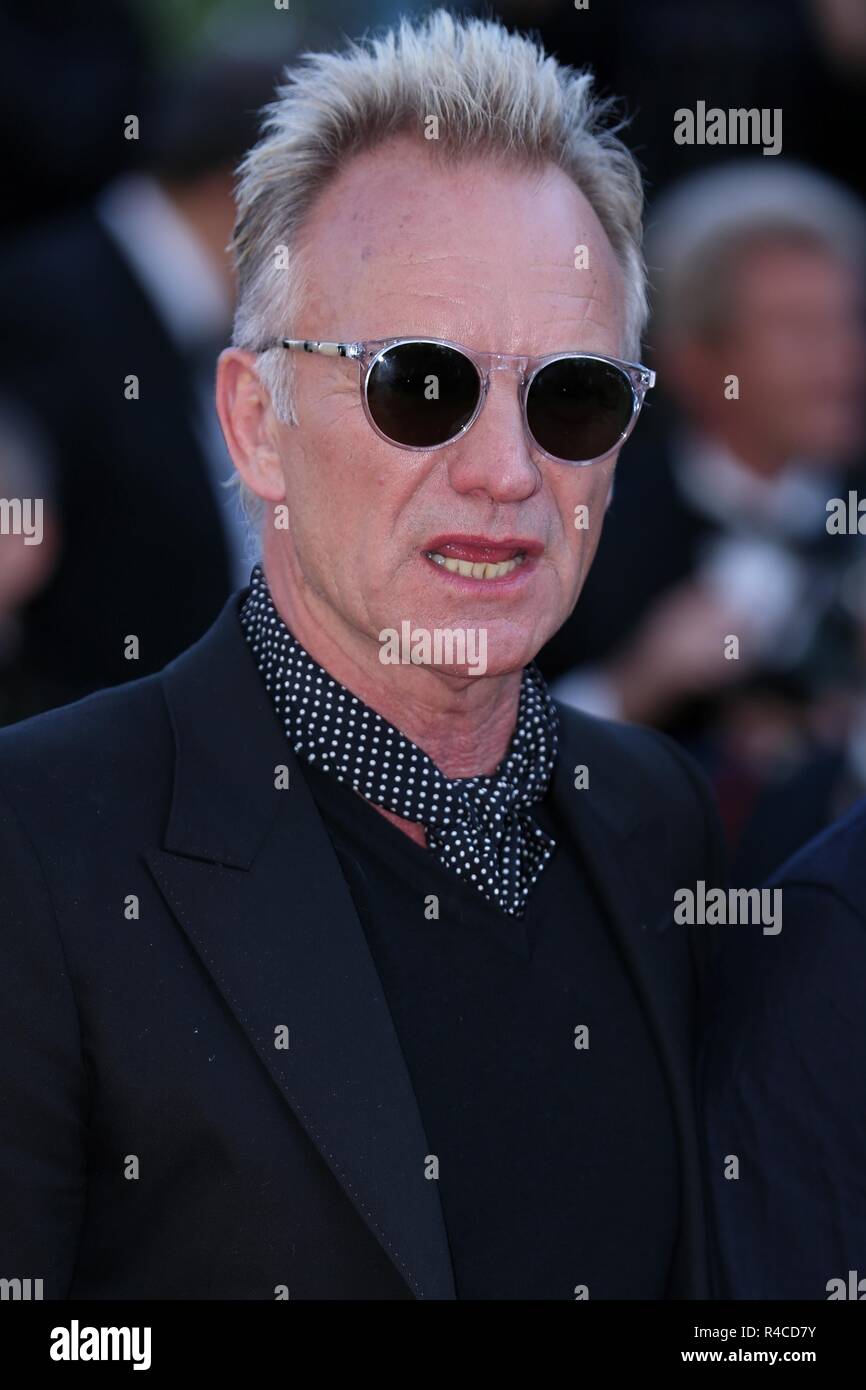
[434, 256]
[611, 319]
[430, 258]
[598, 323]
[418, 260]
[594, 294]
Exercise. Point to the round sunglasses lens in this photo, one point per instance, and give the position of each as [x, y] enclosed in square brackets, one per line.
[422, 394]
[578, 408]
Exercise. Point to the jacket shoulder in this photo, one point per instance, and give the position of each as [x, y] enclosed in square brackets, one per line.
[86, 752]
[636, 764]
[834, 861]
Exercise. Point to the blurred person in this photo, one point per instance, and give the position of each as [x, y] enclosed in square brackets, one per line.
[320, 937]
[805, 796]
[758, 327]
[112, 320]
[783, 1068]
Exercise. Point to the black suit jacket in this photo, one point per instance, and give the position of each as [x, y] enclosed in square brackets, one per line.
[132, 482]
[784, 1061]
[148, 1032]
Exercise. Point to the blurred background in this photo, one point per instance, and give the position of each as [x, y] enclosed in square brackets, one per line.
[121, 122]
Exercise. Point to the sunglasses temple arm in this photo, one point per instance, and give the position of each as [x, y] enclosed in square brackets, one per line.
[328, 349]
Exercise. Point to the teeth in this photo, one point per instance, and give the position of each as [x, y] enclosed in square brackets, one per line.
[476, 571]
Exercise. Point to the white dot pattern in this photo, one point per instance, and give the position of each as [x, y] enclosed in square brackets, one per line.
[478, 826]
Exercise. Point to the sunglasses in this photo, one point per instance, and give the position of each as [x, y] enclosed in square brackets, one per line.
[421, 393]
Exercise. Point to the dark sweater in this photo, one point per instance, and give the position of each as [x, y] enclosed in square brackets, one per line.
[557, 1165]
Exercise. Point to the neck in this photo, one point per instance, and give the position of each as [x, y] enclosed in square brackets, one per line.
[463, 723]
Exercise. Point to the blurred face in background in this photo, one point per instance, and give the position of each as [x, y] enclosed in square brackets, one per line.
[794, 335]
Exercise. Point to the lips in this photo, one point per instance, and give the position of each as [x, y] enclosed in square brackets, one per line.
[481, 557]
[483, 549]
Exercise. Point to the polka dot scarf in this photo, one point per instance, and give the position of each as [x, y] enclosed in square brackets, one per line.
[478, 826]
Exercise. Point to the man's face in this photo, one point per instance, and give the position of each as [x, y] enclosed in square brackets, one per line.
[486, 258]
[797, 342]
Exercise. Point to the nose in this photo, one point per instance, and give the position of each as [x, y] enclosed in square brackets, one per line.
[492, 460]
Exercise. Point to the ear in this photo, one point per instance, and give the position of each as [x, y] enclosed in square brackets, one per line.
[249, 424]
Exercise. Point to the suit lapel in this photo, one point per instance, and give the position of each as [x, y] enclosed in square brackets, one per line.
[251, 877]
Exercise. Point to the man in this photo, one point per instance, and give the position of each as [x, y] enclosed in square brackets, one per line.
[112, 320]
[784, 1064]
[330, 975]
[720, 527]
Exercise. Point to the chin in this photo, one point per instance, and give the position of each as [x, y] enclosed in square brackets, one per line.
[510, 650]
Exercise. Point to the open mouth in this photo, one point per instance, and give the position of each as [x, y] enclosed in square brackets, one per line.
[478, 559]
[479, 569]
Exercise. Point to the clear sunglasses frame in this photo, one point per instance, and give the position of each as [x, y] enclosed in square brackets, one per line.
[366, 354]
